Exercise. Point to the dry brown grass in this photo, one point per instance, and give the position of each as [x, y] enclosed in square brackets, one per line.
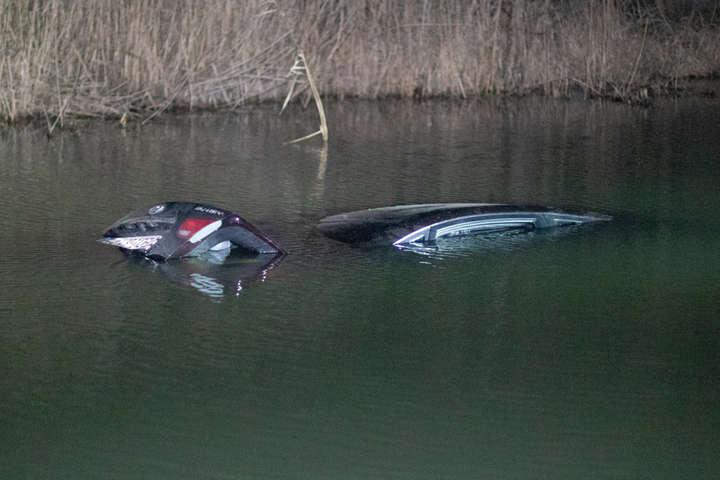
[111, 57]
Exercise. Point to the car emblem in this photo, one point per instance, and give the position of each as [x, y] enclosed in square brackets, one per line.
[156, 209]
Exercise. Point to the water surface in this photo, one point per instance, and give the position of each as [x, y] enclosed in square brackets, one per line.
[591, 353]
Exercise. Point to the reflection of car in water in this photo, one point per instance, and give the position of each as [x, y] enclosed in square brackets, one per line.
[191, 243]
[215, 275]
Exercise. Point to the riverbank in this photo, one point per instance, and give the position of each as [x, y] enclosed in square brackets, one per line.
[134, 59]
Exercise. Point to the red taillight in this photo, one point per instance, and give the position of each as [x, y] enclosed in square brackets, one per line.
[192, 225]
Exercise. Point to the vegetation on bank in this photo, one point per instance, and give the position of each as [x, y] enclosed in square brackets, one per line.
[137, 58]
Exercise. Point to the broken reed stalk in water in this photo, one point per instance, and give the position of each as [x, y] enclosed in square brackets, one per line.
[299, 69]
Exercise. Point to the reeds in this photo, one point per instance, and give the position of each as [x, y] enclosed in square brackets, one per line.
[137, 59]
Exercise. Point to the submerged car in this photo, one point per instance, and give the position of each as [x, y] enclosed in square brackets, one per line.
[184, 229]
[424, 224]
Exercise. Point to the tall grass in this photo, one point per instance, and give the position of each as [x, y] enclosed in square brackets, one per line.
[115, 57]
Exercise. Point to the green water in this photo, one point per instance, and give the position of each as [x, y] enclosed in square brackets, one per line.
[593, 353]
